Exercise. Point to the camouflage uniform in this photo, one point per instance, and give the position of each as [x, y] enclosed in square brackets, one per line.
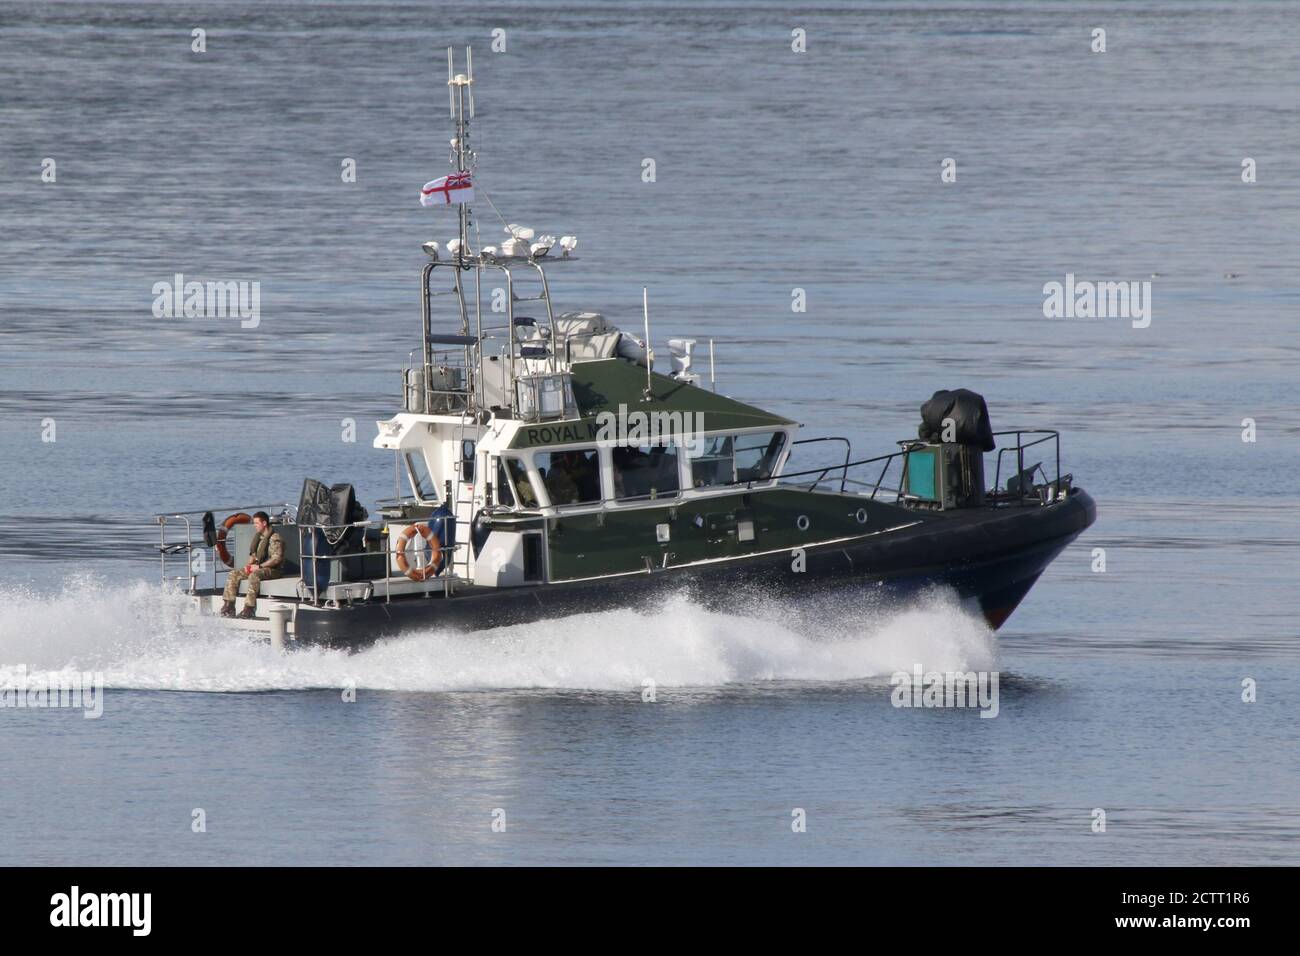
[267, 552]
[560, 484]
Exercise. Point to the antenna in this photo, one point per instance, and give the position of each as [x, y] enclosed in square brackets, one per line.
[649, 352]
[460, 88]
[451, 93]
[460, 93]
[469, 70]
[712, 381]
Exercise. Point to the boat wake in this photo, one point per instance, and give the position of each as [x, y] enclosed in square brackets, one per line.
[145, 637]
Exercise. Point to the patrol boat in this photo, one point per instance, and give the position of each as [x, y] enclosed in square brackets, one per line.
[550, 470]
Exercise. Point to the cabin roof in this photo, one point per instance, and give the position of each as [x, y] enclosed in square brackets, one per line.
[603, 385]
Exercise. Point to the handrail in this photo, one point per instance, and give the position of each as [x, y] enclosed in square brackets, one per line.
[387, 553]
[288, 508]
[906, 445]
[846, 480]
[164, 549]
[850, 464]
[304, 554]
[1048, 434]
[848, 450]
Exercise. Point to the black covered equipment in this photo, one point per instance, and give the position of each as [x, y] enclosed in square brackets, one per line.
[328, 508]
[314, 503]
[332, 505]
[968, 412]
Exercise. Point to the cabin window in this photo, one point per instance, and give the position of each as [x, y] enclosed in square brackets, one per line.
[645, 471]
[571, 476]
[756, 455]
[467, 461]
[712, 464]
[724, 459]
[527, 497]
[421, 481]
[504, 495]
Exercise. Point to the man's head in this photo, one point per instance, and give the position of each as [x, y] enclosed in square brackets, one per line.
[261, 521]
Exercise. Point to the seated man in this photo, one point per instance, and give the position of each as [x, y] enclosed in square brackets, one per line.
[265, 563]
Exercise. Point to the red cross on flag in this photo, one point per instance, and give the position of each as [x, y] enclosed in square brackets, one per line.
[456, 188]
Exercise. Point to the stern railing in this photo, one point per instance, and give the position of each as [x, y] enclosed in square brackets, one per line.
[170, 548]
[287, 517]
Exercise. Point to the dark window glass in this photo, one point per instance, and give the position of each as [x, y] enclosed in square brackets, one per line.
[723, 459]
[647, 471]
[504, 495]
[571, 476]
[421, 481]
[711, 463]
[523, 486]
[467, 461]
[756, 455]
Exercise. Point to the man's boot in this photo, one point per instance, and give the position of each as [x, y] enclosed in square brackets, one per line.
[227, 608]
[247, 613]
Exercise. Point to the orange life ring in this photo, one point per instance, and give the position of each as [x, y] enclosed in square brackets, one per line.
[238, 517]
[435, 552]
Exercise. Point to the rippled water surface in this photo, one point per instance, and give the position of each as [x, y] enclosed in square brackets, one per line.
[775, 171]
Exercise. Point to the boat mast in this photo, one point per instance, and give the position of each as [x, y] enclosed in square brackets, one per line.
[460, 99]
[460, 95]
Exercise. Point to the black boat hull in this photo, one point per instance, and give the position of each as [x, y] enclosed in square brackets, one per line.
[989, 557]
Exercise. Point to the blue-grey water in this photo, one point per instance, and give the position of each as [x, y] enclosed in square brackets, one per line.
[775, 170]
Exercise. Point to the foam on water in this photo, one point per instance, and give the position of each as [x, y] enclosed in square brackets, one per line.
[142, 636]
